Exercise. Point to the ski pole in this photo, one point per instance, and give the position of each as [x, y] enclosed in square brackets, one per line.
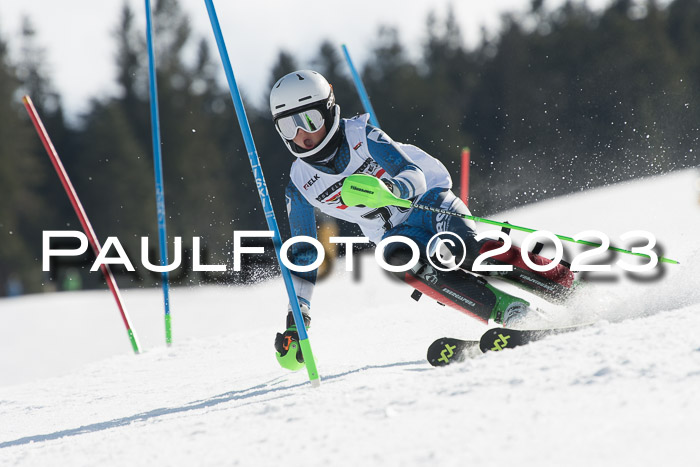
[158, 170]
[264, 197]
[364, 97]
[82, 216]
[366, 190]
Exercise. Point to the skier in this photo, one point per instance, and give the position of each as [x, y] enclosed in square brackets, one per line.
[327, 150]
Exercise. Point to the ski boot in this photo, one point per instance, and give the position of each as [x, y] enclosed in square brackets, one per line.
[510, 311]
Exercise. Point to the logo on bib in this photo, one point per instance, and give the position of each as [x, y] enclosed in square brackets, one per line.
[312, 181]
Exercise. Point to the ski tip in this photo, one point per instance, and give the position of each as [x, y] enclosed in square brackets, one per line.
[498, 339]
[447, 350]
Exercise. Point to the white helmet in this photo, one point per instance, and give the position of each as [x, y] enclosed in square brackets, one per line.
[304, 99]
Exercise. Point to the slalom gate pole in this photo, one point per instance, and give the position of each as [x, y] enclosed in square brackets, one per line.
[361, 89]
[82, 216]
[464, 187]
[264, 195]
[158, 170]
[371, 192]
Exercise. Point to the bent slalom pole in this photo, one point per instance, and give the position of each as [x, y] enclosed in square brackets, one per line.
[366, 190]
[78, 207]
[364, 97]
[264, 196]
[158, 170]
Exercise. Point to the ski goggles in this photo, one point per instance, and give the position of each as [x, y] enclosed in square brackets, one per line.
[309, 120]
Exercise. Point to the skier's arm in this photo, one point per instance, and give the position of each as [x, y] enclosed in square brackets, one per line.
[302, 221]
[407, 178]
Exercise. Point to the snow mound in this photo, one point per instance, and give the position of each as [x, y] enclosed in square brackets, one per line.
[622, 392]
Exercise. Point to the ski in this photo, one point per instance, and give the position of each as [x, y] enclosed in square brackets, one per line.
[497, 339]
[447, 350]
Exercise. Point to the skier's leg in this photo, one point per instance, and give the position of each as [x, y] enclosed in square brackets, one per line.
[554, 283]
[458, 289]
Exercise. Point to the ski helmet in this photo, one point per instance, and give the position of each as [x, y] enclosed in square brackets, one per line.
[304, 99]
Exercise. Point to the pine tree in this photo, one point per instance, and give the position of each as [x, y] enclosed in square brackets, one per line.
[21, 205]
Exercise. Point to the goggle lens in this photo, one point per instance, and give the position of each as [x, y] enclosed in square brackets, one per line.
[310, 121]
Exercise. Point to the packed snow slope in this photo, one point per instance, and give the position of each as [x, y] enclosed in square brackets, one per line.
[623, 392]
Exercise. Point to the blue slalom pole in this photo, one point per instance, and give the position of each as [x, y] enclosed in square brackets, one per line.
[158, 169]
[361, 89]
[263, 193]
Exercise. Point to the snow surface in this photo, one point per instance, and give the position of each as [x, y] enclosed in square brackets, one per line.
[623, 392]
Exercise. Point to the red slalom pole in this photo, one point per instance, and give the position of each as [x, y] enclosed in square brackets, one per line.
[464, 188]
[78, 207]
